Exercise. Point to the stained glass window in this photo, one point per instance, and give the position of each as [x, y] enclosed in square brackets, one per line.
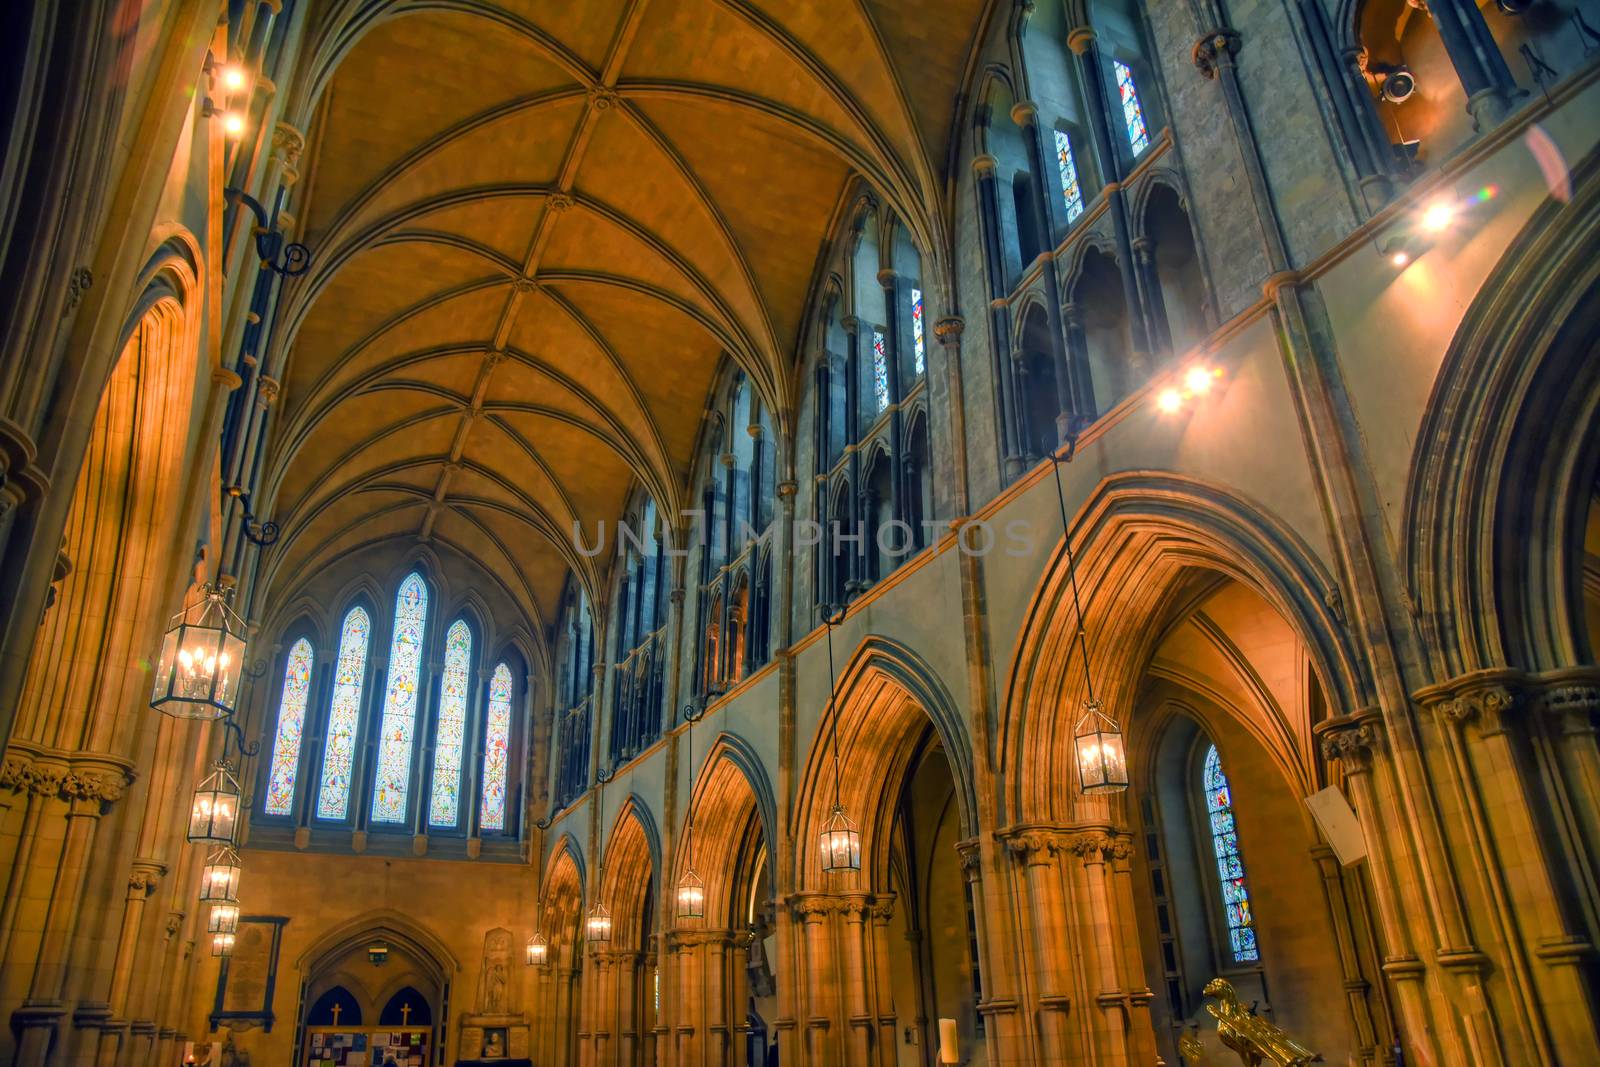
[1230, 866]
[291, 724]
[449, 735]
[496, 741]
[918, 343]
[393, 777]
[1132, 112]
[880, 370]
[1071, 191]
[344, 717]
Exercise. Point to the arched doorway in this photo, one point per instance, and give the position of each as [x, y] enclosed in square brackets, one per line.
[885, 952]
[374, 991]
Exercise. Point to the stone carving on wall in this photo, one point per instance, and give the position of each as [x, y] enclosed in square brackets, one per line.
[494, 990]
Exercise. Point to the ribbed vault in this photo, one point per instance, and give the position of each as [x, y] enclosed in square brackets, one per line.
[541, 228]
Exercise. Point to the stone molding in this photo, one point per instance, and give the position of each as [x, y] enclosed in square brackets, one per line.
[1352, 740]
[1215, 50]
[1495, 699]
[857, 905]
[72, 776]
[681, 939]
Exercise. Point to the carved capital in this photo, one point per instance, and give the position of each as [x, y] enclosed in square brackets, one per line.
[788, 487]
[983, 164]
[1352, 741]
[1215, 50]
[1034, 845]
[267, 390]
[1080, 39]
[948, 329]
[287, 144]
[1091, 847]
[814, 907]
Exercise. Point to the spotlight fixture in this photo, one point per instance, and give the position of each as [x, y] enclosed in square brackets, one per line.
[1400, 258]
[1198, 380]
[378, 953]
[1437, 216]
[1169, 400]
[1398, 84]
[233, 77]
[233, 124]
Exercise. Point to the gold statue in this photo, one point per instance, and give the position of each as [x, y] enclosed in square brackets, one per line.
[1256, 1040]
[1190, 1049]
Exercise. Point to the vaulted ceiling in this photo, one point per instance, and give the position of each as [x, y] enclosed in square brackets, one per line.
[540, 227]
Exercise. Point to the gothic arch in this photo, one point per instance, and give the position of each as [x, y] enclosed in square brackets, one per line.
[1135, 536]
[888, 697]
[729, 790]
[1494, 572]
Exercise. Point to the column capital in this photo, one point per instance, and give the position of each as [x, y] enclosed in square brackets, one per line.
[983, 163]
[1080, 39]
[1034, 845]
[1351, 739]
[949, 329]
[1024, 113]
[1215, 50]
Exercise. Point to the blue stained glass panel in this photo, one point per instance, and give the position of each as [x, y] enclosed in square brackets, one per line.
[496, 744]
[1230, 865]
[1071, 191]
[444, 805]
[392, 781]
[344, 716]
[880, 370]
[918, 342]
[1132, 111]
[291, 725]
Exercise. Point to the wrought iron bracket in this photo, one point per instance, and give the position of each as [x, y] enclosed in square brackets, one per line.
[245, 747]
[260, 534]
[270, 243]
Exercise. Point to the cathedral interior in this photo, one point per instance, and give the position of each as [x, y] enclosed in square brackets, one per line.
[832, 533]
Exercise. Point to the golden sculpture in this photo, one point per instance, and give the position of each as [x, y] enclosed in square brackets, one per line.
[1256, 1040]
[1190, 1049]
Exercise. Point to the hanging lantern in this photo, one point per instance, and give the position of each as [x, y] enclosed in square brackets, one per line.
[597, 927]
[214, 815]
[219, 881]
[222, 944]
[201, 659]
[378, 953]
[538, 950]
[691, 896]
[1102, 759]
[841, 843]
[224, 919]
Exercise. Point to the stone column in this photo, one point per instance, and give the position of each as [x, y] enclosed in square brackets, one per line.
[1008, 405]
[822, 990]
[1045, 913]
[1098, 935]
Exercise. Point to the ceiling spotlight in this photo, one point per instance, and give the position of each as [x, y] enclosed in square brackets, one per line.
[1438, 216]
[1169, 400]
[233, 124]
[1400, 259]
[1198, 380]
[233, 77]
[1398, 85]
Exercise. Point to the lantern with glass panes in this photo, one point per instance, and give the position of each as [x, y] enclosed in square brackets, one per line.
[214, 813]
[840, 840]
[219, 879]
[202, 659]
[538, 950]
[691, 888]
[597, 926]
[1097, 739]
[222, 944]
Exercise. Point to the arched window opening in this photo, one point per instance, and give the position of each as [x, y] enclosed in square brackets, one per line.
[575, 669]
[712, 678]
[841, 553]
[1067, 167]
[496, 750]
[761, 612]
[1029, 241]
[1230, 865]
[918, 482]
[637, 695]
[392, 775]
[738, 617]
[1132, 108]
[344, 716]
[285, 765]
[1098, 331]
[1175, 263]
[1037, 384]
[886, 545]
[450, 730]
